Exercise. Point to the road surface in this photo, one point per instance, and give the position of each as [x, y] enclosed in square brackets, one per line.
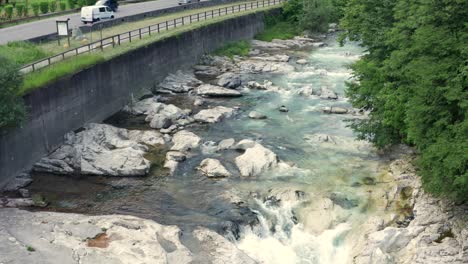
[47, 26]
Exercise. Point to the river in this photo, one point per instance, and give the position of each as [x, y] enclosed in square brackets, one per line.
[309, 211]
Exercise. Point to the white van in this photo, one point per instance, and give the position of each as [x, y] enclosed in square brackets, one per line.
[95, 13]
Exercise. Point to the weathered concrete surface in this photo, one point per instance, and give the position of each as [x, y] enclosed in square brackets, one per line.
[99, 91]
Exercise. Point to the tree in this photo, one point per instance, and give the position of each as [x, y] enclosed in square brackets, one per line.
[414, 82]
[12, 109]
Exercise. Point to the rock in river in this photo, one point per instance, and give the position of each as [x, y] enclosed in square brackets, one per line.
[256, 160]
[214, 115]
[209, 90]
[229, 80]
[213, 168]
[179, 82]
[185, 141]
[102, 150]
[256, 115]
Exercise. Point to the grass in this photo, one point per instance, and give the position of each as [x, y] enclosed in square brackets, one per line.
[240, 48]
[279, 30]
[30, 249]
[60, 69]
[23, 52]
[70, 66]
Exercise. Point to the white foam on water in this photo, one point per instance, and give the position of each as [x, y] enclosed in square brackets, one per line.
[278, 240]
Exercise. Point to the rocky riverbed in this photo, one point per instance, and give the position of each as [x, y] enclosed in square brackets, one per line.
[238, 160]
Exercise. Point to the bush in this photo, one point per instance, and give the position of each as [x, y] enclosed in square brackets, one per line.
[44, 7]
[26, 10]
[72, 3]
[53, 6]
[63, 6]
[240, 48]
[35, 8]
[12, 109]
[22, 52]
[8, 11]
[19, 10]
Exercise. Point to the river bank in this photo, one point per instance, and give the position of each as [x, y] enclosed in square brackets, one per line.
[247, 160]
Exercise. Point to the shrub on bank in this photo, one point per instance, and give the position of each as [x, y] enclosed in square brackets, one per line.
[19, 10]
[35, 8]
[8, 11]
[53, 6]
[12, 109]
[44, 7]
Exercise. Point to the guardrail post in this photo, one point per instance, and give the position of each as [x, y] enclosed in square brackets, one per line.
[130, 36]
[139, 32]
[167, 27]
[118, 39]
[212, 13]
[219, 11]
[158, 27]
[190, 20]
[175, 22]
[149, 30]
[33, 68]
[198, 17]
[225, 11]
[48, 61]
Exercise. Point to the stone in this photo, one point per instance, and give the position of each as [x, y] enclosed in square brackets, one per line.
[214, 115]
[229, 80]
[198, 102]
[160, 121]
[176, 156]
[326, 93]
[180, 82]
[256, 115]
[258, 44]
[335, 110]
[264, 66]
[169, 130]
[301, 61]
[283, 109]
[226, 144]
[207, 72]
[208, 90]
[245, 144]
[256, 160]
[213, 168]
[273, 58]
[306, 91]
[185, 141]
[19, 181]
[101, 150]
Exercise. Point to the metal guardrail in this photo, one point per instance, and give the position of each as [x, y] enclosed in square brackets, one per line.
[137, 34]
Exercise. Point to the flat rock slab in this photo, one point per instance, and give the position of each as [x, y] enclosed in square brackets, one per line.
[214, 115]
[208, 90]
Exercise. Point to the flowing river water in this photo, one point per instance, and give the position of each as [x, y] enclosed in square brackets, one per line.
[309, 213]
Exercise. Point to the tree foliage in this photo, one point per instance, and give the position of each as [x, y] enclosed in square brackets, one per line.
[313, 15]
[12, 110]
[414, 82]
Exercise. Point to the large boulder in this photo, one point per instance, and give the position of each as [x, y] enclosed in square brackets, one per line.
[274, 58]
[256, 160]
[180, 82]
[229, 80]
[267, 45]
[185, 141]
[102, 150]
[208, 90]
[213, 168]
[214, 115]
[160, 121]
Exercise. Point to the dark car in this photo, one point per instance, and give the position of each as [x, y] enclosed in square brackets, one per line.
[112, 4]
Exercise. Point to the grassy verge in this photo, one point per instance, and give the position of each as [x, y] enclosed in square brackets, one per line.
[46, 75]
[240, 48]
[22, 52]
[70, 66]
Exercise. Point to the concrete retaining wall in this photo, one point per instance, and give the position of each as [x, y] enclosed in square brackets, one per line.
[102, 90]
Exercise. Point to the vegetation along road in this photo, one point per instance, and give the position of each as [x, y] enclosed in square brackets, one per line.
[47, 26]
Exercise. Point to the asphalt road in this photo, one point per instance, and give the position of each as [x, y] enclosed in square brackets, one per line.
[47, 26]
